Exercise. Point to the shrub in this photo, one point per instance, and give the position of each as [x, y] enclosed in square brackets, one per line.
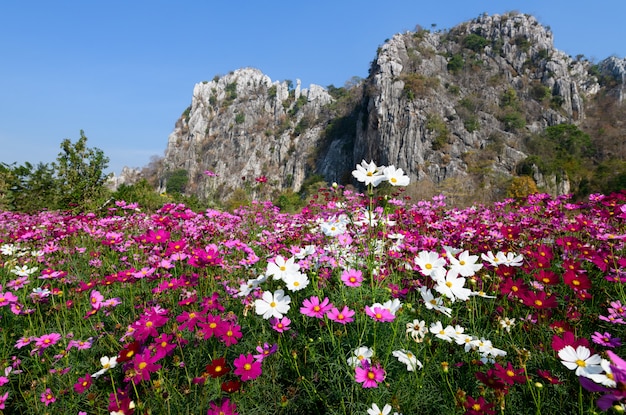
[475, 42]
[456, 63]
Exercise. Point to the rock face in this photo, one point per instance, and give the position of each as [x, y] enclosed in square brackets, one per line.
[447, 107]
[243, 126]
[439, 99]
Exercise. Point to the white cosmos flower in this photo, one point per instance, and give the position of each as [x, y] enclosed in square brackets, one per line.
[433, 303]
[430, 264]
[417, 329]
[272, 304]
[465, 264]
[281, 268]
[581, 360]
[605, 379]
[408, 358]
[334, 226]
[247, 287]
[446, 334]
[369, 173]
[396, 176]
[375, 410]
[296, 281]
[452, 286]
[107, 363]
[360, 354]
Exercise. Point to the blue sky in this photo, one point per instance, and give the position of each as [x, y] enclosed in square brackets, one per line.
[124, 70]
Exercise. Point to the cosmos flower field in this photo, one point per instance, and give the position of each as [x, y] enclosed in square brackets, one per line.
[358, 304]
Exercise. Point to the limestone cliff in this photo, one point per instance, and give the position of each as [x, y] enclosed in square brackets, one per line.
[452, 108]
[243, 126]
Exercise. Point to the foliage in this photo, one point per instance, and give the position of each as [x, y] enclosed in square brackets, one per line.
[289, 201]
[456, 63]
[141, 193]
[299, 104]
[231, 91]
[436, 125]
[512, 120]
[240, 118]
[417, 85]
[521, 187]
[177, 181]
[80, 175]
[475, 42]
[540, 92]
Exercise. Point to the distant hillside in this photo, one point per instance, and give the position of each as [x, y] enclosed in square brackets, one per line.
[481, 111]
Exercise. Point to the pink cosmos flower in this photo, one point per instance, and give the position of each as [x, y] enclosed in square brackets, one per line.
[7, 298]
[380, 314]
[313, 308]
[24, 341]
[47, 340]
[369, 376]
[264, 351]
[47, 397]
[352, 277]
[247, 368]
[3, 399]
[342, 317]
[280, 325]
[226, 408]
[80, 344]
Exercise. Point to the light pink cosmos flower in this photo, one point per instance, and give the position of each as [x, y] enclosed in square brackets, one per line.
[379, 314]
[352, 277]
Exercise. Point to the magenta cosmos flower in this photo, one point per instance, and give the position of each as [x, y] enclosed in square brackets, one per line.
[313, 308]
[246, 367]
[226, 408]
[369, 376]
[352, 277]
[342, 317]
[47, 397]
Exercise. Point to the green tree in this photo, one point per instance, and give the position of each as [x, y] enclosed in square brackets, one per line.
[177, 182]
[80, 174]
[26, 188]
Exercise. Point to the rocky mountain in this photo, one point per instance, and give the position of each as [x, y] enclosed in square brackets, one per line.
[454, 109]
